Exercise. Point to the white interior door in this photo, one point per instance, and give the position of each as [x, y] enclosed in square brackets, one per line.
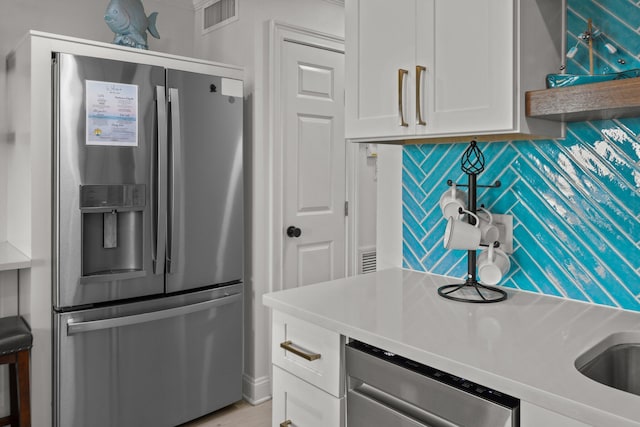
[314, 175]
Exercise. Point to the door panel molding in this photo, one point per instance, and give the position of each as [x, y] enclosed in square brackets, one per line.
[314, 170]
[279, 34]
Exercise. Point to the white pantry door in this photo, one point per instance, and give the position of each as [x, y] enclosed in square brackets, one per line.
[314, 175]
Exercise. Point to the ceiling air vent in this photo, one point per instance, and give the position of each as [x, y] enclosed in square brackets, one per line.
[367, 261]
[219, 13]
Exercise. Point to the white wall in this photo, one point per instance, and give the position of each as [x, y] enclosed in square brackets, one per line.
[389, 206]
[366, 199]
[246, 42]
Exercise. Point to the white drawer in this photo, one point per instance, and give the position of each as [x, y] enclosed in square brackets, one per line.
[326, 371]
[302, 404]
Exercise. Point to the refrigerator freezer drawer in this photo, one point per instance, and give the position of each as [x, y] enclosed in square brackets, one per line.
[152, 363]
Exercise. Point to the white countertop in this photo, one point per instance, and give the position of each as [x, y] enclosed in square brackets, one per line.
[525, 346]
[11, 258]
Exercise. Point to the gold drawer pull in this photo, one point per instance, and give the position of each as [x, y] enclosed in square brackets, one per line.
[288, 345]
[285, 423]
[419, 70]
[401, 74]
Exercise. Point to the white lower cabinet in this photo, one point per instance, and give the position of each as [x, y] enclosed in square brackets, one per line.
[535, 416]
[308, 374]
[309, 352]
[297, 403]
[309, 379]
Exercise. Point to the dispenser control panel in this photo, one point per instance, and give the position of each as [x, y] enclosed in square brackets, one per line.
[119, 197]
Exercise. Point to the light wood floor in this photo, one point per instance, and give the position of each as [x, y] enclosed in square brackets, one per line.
[240, 414]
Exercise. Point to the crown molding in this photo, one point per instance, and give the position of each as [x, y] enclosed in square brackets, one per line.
[198, 4]
[187, 4]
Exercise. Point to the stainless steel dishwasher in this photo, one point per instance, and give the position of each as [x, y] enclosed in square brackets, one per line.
[385, 390]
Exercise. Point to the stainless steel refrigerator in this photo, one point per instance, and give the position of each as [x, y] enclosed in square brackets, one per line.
[147, 245]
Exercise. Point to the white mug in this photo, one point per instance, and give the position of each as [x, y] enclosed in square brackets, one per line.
[493, 264]
[451, 201]
[490, 233]
[460, 234]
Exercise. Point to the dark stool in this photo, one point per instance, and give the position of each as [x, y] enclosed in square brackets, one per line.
[15, 344]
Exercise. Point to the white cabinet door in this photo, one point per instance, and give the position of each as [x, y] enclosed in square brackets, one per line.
[423, 67]
[303, 405]
[308, 341]
[379, 42]
[467, 66]
[469, 60]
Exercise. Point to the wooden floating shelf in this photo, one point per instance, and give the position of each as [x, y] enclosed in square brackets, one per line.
[592, 101]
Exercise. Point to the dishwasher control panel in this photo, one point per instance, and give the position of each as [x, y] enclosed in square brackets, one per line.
[451, 380]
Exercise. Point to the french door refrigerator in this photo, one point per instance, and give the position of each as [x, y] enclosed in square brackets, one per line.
[147, 245]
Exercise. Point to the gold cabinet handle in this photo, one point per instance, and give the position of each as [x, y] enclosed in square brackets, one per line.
[288, 345]
[285, 423]
[401, 74]
[419, 70]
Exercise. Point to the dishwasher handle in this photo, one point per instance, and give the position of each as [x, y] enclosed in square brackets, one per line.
[401, 407]
[135, 319]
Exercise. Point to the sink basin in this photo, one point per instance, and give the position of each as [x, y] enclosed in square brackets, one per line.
[614, 362]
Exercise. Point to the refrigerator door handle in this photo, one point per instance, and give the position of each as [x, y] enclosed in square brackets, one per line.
[161, 189]
[176, 179]
[116, 322]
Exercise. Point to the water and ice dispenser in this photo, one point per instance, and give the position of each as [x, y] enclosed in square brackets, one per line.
[112, 229]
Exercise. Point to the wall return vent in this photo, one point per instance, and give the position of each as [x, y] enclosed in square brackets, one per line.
[367, 262]
[219, 13]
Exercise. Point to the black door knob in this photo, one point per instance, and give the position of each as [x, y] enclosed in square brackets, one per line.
[293, 231]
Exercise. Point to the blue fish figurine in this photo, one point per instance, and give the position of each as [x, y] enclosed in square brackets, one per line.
[128, 21]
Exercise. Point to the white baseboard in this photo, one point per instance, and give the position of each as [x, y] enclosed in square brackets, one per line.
[256, 390]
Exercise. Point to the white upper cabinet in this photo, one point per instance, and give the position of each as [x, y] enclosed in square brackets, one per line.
[380, 43]
[448, 69]
[469, 52]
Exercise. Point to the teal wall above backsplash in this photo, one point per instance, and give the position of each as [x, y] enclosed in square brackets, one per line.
[575, 202]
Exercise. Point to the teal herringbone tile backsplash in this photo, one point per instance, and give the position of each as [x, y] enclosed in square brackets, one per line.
[575, 202]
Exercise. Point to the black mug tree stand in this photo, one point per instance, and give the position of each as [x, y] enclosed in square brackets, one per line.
[471, 290]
